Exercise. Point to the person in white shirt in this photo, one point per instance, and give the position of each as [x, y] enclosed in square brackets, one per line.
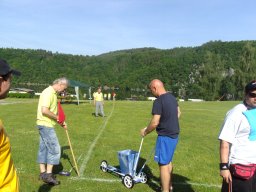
[237, 149]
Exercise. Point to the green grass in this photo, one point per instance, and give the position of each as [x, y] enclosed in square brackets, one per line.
[195, 162]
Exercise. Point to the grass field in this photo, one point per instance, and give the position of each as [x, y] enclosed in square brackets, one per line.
[96, 139]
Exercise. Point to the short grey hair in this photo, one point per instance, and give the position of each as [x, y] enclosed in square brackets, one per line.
[62, 80]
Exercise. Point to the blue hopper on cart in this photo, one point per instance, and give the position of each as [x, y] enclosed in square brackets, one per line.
[128, 160]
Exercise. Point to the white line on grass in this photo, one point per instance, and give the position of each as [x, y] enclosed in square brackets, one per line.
[119, 180]
[96, 179]
[198, 184]
[89, 153]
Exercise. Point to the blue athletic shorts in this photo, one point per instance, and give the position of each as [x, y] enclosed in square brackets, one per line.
[165, 147]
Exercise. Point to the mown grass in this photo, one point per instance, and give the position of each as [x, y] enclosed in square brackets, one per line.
[195, 162]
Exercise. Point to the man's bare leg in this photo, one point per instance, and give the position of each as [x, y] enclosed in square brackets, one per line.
[42, 168]
[165, 177]
[170, 171]
[49, 168]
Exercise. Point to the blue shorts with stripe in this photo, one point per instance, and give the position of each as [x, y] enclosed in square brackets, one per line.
[165, 147]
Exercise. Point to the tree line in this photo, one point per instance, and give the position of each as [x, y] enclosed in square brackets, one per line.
[213, 71]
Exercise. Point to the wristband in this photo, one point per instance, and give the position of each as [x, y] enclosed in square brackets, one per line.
[224, 166]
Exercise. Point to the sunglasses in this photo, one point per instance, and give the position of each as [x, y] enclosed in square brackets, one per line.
[252, 95]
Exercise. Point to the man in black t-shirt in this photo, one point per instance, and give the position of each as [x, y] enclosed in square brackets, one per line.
[165, 113]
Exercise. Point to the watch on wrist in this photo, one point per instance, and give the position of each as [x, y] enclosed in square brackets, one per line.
[224, 166]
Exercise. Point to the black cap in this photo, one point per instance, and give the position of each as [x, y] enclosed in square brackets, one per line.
[250, 87]
[5, 69]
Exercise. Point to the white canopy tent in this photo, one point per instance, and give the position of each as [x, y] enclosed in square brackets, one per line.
[78, 85]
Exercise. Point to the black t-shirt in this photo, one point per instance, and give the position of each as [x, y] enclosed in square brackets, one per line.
[167, 106]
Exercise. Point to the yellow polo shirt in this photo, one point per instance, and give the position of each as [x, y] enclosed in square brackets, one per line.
[48, 98]
[98, 96]
[9, 181]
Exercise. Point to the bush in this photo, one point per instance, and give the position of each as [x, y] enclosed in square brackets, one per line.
[20, 95]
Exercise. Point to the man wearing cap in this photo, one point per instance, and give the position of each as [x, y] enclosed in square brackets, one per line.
[47, 117]
[238, 145]
[8, 177]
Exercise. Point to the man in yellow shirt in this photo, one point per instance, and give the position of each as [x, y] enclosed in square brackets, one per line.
[9, 181]
[98, 102]
[47, 116]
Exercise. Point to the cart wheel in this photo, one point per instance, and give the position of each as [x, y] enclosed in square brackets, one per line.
[143, 177]
[128, 182]
[104, 165]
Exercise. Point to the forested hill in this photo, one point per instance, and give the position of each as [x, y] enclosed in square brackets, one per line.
[212, 71]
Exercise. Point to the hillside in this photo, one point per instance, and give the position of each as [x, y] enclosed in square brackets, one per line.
[210, 71]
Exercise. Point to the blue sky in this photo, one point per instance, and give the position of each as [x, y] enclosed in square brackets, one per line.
[93, 27]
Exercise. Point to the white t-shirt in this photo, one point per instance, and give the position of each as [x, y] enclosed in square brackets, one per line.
[236, 130]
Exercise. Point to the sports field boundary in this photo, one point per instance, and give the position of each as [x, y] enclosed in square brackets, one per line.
[89, 153]
[207, 185]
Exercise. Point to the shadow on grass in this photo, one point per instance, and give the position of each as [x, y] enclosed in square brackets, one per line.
[73, 102]
[45, 188]
[180, 183]
[99, 115]
[64, 155]
[67, 157]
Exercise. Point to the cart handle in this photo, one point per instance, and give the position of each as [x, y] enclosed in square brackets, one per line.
[137, 159]
[142, 139]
